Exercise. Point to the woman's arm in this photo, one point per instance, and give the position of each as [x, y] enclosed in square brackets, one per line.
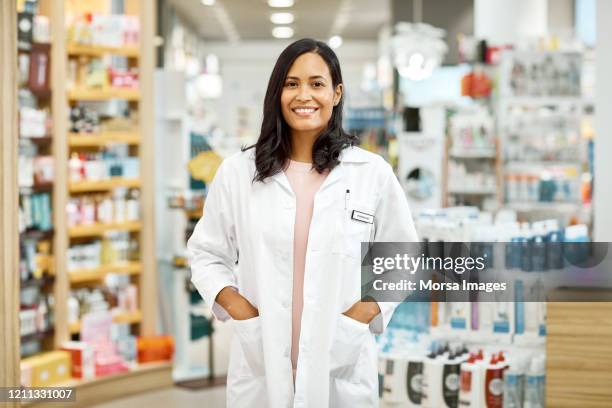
[213, 253]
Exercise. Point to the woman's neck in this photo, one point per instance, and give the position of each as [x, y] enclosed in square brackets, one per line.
[301, 145]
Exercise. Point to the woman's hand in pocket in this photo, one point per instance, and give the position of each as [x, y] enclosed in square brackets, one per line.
[236, 305]
[363, 312]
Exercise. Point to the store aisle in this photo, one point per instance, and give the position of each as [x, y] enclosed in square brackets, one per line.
[172, 397]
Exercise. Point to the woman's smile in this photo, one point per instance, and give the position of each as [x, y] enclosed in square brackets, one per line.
[305, 111]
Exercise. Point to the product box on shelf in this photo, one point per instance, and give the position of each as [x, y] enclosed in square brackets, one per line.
[155, 348]
[82, 356]
[46, 369]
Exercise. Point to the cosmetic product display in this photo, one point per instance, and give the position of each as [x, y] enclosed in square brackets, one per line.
[104, 30]
[543, 74]
[34, 123]
[102, 165]
[122, 206]
[452, 375]
[115, 248]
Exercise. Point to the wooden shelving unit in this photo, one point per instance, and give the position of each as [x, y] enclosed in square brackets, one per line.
[99, 229]
[102, 185]
[106, 94]
[131, 318]
[102, 139]
[97, 274]
[99, 51]
[60, 143]
[142, 378]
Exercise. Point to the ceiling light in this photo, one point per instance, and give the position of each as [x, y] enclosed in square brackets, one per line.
[417, 49]
[335, 41]
[281, 18]
[280, 3]
[282, 32]
[208, 2]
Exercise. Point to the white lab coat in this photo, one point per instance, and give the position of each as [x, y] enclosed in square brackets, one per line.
[253, 222]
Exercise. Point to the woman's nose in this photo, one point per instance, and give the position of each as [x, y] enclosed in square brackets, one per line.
[303, 94]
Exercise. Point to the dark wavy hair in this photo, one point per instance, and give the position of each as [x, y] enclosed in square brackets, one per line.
[273, 147]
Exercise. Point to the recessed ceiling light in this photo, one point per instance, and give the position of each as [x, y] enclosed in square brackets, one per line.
[208, 2]
[281, 18]
[335, 41]
[282, 32]
[280, 3]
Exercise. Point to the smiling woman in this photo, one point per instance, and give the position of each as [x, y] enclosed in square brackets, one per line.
[284, 211]
[302, 111]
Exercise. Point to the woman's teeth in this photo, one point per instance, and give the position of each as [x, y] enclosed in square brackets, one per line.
[304, 110]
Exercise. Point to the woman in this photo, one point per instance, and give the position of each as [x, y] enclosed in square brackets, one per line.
[291, 212]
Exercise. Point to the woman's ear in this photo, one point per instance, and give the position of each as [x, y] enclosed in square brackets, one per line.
[338, 94]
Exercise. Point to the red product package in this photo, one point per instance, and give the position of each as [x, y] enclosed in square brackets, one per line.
[82, 356]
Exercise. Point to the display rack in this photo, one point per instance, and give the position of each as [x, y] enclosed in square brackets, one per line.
[472, 145]
[36, 271]
[540, 113]
[61, 142]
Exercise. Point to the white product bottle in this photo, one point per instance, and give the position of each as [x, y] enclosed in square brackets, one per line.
[534, 384]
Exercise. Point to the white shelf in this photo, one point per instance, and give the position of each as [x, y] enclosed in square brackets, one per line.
[475, 154]
[526, 206]
[472, 191]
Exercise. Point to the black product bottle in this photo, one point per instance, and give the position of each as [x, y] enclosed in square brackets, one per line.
[450, 382]
[414, 381]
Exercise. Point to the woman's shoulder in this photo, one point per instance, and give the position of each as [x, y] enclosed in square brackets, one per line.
[373, 161]
[239, 163]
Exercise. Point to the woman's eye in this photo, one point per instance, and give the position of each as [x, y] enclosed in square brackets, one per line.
[291, 84]
[318, 84]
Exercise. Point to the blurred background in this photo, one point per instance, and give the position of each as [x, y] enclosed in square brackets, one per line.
[487, 110]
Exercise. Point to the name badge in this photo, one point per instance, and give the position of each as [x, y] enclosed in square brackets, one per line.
[363, 217]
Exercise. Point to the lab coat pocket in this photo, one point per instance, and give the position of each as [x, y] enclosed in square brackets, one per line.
[347, 344]
[354, 228]
[250, 339]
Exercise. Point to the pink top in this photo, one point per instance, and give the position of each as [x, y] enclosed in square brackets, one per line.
[305, 183]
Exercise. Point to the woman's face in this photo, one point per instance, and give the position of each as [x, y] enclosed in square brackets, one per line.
[309, 96]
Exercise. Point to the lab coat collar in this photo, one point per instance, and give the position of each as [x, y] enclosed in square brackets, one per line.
[354, 154]
[350, 154]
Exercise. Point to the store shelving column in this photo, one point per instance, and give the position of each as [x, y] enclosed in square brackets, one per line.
[71, 57]
[60, 152]
[147, 152]
[9, 253]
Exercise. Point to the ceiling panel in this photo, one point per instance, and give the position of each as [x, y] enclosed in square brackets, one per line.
[313, 18]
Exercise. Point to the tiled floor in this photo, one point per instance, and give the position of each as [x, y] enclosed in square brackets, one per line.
[172, 397]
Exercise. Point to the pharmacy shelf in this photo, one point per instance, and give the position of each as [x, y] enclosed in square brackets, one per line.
[97, 274]
[103, 94]
[37, 335]
[549, 163]
[131, 318]
[477, 154]
[102, 139]
[36, 234]
[102, 185]
[36, 188]
[37, 283]
[99, 229]
[43, 140]
[526, 206]
[542, 100]
[144, 377]
[472, 191]
[85, 50]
